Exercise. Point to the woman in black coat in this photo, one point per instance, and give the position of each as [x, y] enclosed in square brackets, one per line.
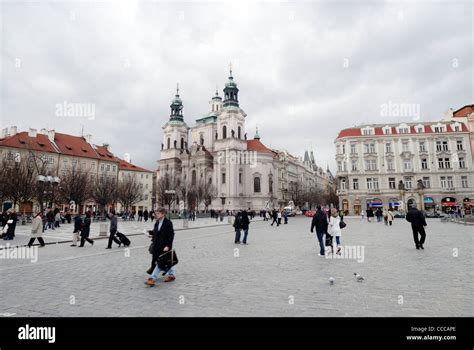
[86, 227]
[244, 225]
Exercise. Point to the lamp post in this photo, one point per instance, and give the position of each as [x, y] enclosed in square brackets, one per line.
[401, 188]
[420, 189]
[48, 184]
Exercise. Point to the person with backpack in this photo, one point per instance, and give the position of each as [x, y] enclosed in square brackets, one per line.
[334, 228]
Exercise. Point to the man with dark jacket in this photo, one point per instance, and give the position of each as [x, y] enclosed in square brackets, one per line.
[244, 225]
[163, 235]
[77, 230]
[320, 222]
[113, 230]
[418, 223]
[237, 227]
[86, 229]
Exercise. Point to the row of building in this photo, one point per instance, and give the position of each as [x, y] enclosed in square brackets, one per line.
[61, 152]
[397, 165]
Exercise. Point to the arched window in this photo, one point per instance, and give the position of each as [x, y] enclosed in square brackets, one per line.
[182, 143]
[270, 184]
[224, 132]
[256, 184]
[238, 132]
[175, 143]
[216, 135]
[168, 143]
[193, 178]
[232, 132]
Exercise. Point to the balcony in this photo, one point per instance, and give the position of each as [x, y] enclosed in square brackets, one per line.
[448, 190]
[341, 192]
[373, 191]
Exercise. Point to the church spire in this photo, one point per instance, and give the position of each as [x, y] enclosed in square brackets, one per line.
[231, 91]
[176, 106]
[257, 136]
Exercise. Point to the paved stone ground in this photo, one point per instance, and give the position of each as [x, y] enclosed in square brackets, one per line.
[278, 274]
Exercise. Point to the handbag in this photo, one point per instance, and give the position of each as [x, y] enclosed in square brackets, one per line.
[167, 260]
[342, 224]
[151, 247]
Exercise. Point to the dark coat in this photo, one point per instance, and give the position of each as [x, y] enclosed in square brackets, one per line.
[77, 224]
[237, 221]
[162, 238]
[244, 222]
[416, 218]
[320, 222]
[86, 227]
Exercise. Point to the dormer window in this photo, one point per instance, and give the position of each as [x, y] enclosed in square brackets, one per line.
[387, 130]
[367, 131]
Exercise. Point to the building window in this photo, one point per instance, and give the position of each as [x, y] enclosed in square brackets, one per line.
[339, 166]
[146, 197]
[390, 165]
[388, 148]
[355, 184]
[367, 132]
[464, 183]
[369, 147]
[102, 167]
[405, 146]
[443, 182]
[182, 143]
[456, 128]
[353, 148]
[168, 143]
[343, 184]
[424, 163]
[370, 165]
[223, 178]
[141, 176]
[193, 178]
[426, 182]
[407, 165]
[256, 184]
[354, 165]
[224, 132]
[240, 178]
[270, 184]
[444, 163]
[343, 149]
[344, 166]
[438, 129]
[372, 183]
[449, 180]
[459, 145]
[238, 132]
[408, 182]
[391, 183]
[420, 129]
[422, 146]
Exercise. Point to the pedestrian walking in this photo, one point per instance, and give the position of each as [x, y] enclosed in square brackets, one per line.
[140, 215]
[77, 229]
[385, 217]
[362, 213]
[418, 224]
[113, 230]
[379, 214]
[37, 230]
[57, 217]
[285, 216]
[320, 222]
[370, 214]
[85, 231]
[334, 228]
[163, 236]
[237, 227]
[390, 216]
[244, 225]
[279, 218]
[9, 228]
[145, 215]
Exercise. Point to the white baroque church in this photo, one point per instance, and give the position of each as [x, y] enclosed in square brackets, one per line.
[244, 172]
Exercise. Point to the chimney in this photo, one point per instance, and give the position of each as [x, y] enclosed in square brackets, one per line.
[88, 138]
[51, 134]
[13, 131]
[32, 133]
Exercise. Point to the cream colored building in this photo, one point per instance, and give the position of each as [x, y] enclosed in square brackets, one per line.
[373, 159]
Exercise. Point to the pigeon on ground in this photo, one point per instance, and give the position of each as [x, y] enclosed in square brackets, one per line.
[331, 280]
[358, 277]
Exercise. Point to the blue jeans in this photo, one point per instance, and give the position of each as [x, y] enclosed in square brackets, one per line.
[237, 236]
[246, 232]
[338, 240]
[157, 270]
[320, 236]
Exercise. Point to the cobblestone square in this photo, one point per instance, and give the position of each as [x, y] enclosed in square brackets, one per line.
[279, 273]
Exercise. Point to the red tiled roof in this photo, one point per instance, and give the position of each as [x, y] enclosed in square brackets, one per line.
[105, 154]
[256, 145]
[123, 165]
[22, 140]
[463, 111]
[353, 132]
[74, 146]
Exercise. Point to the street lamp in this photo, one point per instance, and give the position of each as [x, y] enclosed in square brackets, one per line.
[420, 189]
[48, 183]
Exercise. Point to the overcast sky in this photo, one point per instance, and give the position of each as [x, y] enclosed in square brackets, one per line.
[305, 70]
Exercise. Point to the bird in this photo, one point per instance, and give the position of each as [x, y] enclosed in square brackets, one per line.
[331, 280]
[358, 277]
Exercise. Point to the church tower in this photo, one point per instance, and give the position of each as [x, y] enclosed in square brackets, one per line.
[175, 138]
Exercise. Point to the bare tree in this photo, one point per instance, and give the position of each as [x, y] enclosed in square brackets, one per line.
[165, 184]
[129, 192]
[204, 192]
[76, 186]
[104, 192]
